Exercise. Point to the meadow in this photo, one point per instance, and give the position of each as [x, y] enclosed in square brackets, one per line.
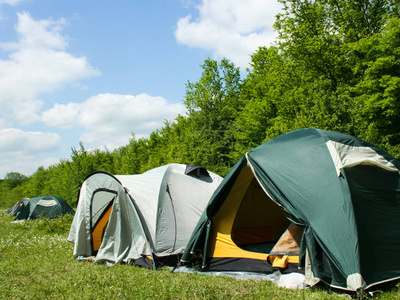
[36, 262]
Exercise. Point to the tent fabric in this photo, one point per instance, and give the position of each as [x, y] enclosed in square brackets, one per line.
[142, 217]
[343, 191]
[16, 206]
[47, 206]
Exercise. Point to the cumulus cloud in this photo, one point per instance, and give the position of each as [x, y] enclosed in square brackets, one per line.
[233, 29]
[109, 119]
[16, 141]
[37, 63]
[19, 149]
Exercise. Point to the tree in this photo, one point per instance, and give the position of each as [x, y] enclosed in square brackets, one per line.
[213, 103]
[313, 33]
[14, 179]
[377, 62]
[335, 67]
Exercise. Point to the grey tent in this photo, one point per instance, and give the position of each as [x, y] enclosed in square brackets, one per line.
[336, 195]
[141, 219]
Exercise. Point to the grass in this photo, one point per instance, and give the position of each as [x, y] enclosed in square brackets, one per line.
[36, 263]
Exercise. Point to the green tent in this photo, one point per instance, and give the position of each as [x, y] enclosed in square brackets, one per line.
[19, 203]
[48, 206]
[342, 193]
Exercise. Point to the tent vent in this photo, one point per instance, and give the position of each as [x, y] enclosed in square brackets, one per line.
[47, 203]
[196, 171]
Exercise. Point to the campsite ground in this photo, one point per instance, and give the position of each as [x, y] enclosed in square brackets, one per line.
[36, 263]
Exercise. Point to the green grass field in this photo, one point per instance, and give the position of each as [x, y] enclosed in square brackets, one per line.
[36, 263]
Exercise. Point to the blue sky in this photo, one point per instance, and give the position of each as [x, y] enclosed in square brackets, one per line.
[97, 71]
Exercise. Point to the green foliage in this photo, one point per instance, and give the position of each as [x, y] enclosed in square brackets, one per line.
[335, 66]
[378, 91]
[14, 179]
[213, 104]
[45, 225]
[320, 73]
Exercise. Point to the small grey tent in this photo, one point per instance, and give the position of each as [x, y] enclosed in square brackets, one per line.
[324, 201]
[141, 219]
[47, 206]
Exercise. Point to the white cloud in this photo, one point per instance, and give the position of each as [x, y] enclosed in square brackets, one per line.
[24, 165]
[37, 63]
[109, 119]
[18, 142]
[20, 150]
[233, 29]
[24, 112]
[11, 2]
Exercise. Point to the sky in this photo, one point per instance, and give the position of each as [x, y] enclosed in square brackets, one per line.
[95, 72]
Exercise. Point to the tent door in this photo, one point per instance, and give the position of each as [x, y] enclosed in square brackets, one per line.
[101, 206]
[259, 222]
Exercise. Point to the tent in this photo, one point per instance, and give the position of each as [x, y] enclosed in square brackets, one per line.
[143, 219]
[323, 201]
[16, 206]
[48, 206]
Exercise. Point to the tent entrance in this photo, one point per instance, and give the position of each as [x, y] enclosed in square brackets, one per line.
[259, 221]
[247, 229]
[101, 206]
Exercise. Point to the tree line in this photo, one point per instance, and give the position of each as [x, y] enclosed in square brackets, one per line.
[335, 66]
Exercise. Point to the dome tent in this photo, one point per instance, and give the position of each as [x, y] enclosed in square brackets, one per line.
[143, 218]
[340, 193]
[47, 206]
